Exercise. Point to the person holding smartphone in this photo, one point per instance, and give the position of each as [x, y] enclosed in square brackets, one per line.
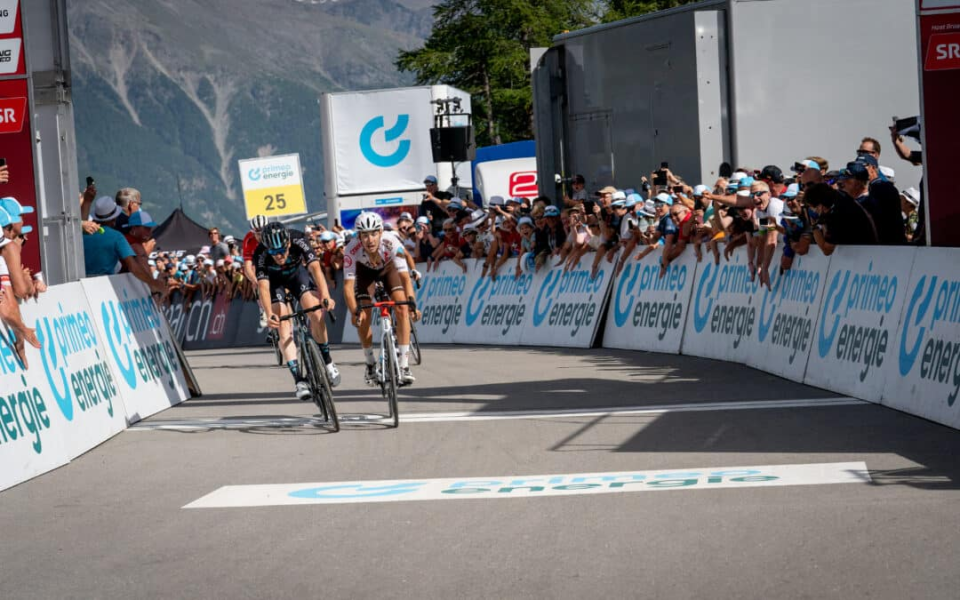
[4, 171]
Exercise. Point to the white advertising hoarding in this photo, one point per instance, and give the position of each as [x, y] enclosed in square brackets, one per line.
[495, 310]
[137, 344]
[787, 316]
[925, 378]
[855, 337]
[647, 311]
[381, 139]
[566, 306]
[441, 298]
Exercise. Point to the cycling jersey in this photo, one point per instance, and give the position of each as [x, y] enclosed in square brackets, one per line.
[250, 244]
[301, 253]
[390, 250]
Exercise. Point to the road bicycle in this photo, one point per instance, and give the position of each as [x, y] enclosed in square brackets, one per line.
[273, 336]
[311, 365]
[388, 363]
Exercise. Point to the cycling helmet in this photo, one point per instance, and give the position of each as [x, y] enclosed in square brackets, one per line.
[368, 221]
[258, 222]
[275, 238]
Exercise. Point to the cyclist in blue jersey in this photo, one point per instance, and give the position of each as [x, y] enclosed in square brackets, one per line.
[283, 262]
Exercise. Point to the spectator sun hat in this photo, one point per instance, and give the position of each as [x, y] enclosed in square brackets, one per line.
[889, 174]
[423, 221]
[328, 236]
[456, 203]
[496, 201]
[551, 211]
[743, 186]
[5, 220]
[219, 263]
[105, 209]
[792, 191]
[700, 190]
[477, 218]
[14, 208]
[208, 262]
[190, 260]
[514, 201]
[227, 240]
[773, 173]
[141, 218]
[525, 221]
[663, 198]
[806, 164]
[607, 190]
[855, 170]
[912, 195]
[430, 179]
[619, 195]
[404, 216]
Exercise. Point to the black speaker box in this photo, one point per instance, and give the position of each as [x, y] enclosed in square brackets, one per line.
[452, 144]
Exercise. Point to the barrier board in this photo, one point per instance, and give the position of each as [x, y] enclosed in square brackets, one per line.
[138, 347]
[67, 401]
[722, 318]
[787, 316]
[925, 378]
[567, 306]
[854, 341]
[495, 310]
[648, 312]
[441, 299]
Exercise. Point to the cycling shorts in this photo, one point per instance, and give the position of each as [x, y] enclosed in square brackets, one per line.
[299, 283]
[389, 276]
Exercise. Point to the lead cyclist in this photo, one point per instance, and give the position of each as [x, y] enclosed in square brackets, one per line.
[375, 255]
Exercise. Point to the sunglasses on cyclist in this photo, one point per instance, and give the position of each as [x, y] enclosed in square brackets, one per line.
[276, 251]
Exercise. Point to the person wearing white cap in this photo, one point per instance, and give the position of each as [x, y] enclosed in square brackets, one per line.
[23, 287]
[105, 250]
[9, 308]
[909, 201]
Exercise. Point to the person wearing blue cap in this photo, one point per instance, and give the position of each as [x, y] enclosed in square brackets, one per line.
[550, 234]
[434, 204]
[23, 285]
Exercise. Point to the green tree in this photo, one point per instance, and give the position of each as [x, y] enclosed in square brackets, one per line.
[482, 47]
[621, 9]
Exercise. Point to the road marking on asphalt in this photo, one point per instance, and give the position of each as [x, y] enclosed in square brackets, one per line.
[532, 486]
[444, 417]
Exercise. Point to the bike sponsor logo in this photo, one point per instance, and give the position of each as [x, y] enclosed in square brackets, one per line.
[498, 303]
[869, 297]
[631, 306]
[560, 300]
[934, 301]
[532, 486]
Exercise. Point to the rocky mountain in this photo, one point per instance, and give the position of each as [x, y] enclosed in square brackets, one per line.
[169, 91]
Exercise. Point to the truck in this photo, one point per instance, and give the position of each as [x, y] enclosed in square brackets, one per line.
[744, 82]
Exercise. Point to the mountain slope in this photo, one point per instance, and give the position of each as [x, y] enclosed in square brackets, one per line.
[169, 91]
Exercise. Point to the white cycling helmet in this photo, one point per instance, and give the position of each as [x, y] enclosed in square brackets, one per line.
[368, 221]
[258, 222]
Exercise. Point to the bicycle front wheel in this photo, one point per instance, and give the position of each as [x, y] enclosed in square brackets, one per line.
[320, 385]
[415, 344]
[390, 382]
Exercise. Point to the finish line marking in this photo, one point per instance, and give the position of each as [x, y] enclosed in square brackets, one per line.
[532, 486]
[445, 417]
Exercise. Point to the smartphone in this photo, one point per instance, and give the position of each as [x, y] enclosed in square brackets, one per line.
[660, 178]
[588, 206]
[664, 165]
[678, 189]
[90, 181]
[3, 162]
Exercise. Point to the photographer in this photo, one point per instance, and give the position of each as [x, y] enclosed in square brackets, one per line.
[434, 204]
[795, 226]
[838, 219]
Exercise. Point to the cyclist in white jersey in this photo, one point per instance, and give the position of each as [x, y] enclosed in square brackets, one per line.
[375, 255]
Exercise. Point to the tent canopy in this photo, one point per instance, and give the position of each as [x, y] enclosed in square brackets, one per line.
[180, 232]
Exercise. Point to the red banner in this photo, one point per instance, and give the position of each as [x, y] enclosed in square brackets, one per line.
[940, 82]
[16, 145]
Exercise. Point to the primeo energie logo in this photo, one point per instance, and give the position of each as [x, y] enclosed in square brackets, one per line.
[498, 303]
[929, 304]
[870, 297]
[636, 278]
[793, 331]
[735, 318]
[366, 141]
[151, 361]
[554, 305]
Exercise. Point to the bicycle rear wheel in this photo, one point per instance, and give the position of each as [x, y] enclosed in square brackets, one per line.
[390, 382]
[415, 344]
[320, 384]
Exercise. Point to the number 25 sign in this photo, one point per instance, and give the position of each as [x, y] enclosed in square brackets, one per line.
[272, 186]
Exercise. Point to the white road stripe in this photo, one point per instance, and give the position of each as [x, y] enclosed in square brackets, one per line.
[531, 486]
[445, 417]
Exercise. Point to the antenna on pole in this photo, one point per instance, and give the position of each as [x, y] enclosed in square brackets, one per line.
[180, 192]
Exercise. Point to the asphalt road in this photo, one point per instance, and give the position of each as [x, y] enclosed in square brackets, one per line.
[112, 524]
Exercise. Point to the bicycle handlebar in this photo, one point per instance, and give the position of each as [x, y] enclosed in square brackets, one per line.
[388, 303]
[303, 311]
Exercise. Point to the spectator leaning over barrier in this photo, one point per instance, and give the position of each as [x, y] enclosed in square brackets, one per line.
[909, 200]
[106, 249]
[796, 227]
[767, 211]
[25, 284]
[128, 199]
[506, 245]
[682, 217]
[9, 307]
[838, 219]
[138, 232]
[550, 235]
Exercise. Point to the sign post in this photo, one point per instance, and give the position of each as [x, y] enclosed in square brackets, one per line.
[939, 37]
[272, 186]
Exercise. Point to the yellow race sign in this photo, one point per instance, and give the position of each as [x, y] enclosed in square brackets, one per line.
[272, 186]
